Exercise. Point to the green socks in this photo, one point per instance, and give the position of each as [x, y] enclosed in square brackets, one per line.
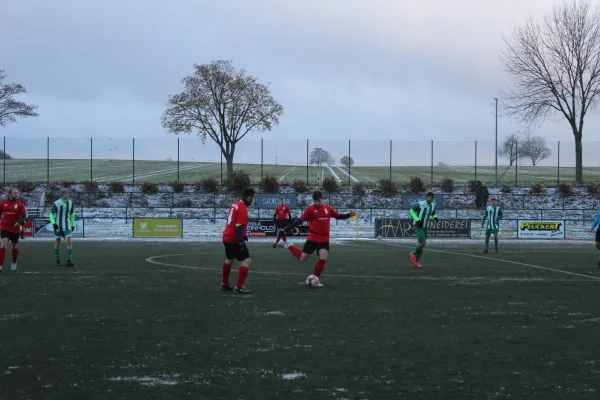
[57, 254]
[496, 243]
[487, 242]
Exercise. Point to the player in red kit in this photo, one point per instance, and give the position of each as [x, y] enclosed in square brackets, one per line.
[234, 239]
[282, 216]
[13, 218]
[318, 217]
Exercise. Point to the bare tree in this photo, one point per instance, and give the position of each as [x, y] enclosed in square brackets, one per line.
[10, 108]
[535, 148]
[347, 161]
[510, 148]
[319, 157]
[223, 104]
[555, 65]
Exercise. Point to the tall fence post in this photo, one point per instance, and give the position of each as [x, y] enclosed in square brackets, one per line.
[349, 164]
[261, 158]
[48, 159]
[133, 163]
[177, 159]
[4, 168]
[476, 161]
[91, 159]
[558, 168]
[516, 164]
[432, 162]
[307, 161]
[390, 160]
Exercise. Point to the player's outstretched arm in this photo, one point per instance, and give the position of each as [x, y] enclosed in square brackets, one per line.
[347, 215]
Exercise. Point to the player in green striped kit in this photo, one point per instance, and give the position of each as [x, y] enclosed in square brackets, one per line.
[62, 218]
[493, 214]
[421, 212]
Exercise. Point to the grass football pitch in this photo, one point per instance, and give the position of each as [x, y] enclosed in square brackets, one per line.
[146, 320]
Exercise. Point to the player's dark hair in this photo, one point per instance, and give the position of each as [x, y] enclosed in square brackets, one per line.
[11, 189]
[317, 195]
[248, 193]
[494, 199]
[429, 194]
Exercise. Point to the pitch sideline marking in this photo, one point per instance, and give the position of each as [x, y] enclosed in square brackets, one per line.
[152, 260]
[505, 261]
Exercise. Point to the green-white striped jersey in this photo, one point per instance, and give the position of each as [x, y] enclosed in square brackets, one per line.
[492, 216]
[63, 214]
[422, 211]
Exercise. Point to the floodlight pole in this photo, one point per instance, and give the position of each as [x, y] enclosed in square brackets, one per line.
[496, 99]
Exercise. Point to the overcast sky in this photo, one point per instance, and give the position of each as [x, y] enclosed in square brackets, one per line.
[343, 69]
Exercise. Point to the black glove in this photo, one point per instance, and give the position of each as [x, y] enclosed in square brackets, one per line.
[55, 226]
[245, 238]
[419, 224]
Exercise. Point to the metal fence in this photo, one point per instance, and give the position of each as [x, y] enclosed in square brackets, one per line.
[188, 160]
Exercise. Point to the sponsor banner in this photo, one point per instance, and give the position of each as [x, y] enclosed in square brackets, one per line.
[43, 228]
[404, 228]
[539, 229]
[28, 228]
[271, 200]
[408, 200]
[157, 227]
[268, 227]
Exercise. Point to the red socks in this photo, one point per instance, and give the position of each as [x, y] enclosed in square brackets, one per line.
[15, 255]
[2, 255]
[278, 238]
[226, 272]
[295, 251]
[242, 274]
[319, 267]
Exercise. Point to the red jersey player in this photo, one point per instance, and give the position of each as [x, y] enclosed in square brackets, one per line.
[13, 217]
[319, 218]
[282, 216]
[234, 238]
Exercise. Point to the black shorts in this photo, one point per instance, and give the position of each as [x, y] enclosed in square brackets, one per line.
[310, 246]
[598, 235]
[13, 237]
[233, 251]
[281, 223]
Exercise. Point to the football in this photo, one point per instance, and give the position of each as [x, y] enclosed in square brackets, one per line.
[313, 281]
